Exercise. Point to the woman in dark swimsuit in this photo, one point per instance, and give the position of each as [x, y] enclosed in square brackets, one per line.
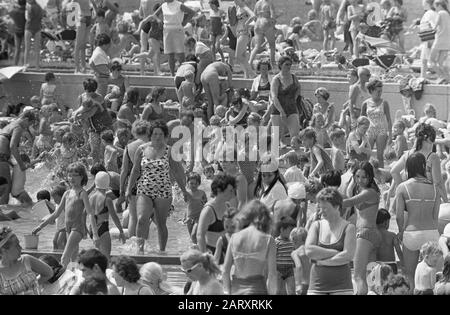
[155, 110]
[210, 225]
[9, 147]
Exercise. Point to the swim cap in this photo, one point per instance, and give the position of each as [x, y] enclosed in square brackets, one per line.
[102, 180]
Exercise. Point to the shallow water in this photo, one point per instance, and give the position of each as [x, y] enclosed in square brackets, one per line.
[37, 179]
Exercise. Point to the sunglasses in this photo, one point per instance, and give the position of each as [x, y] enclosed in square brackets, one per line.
[189, 270]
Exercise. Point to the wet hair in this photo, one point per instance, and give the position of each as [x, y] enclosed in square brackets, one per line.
[283, 59]
[285, 223]
[158, 124]
[309, 133]
[91, 257]
[446, 271]
[156, 93]
[416, 164]
[43, 195]
[116, 66]
[373, 84]
[59, 191]
[255, 212]
[207, 260]
[127, 268]
[221, 182]
[262, 62]
[424, 132]
[108, 136]
[383, 216]
[49, 76]
[98, 167]
[194, 176]
[331, 178]
[337, 134]
[79, 168]
[132, 95]
[430, 249]
[394, 282]
[140, 128]
[90, 85]
[299, 234]
[93, 286]
[368, 169]
[102, 39]
[332, 196]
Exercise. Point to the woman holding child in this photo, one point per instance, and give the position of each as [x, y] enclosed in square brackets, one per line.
[421, 200]
[152, 167]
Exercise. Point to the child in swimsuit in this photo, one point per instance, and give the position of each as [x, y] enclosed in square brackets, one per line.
[48, 89]
[328, 15]
[103, 207]
[196, 199]
[223, 241]
[187, 89]
[75, 203]
[320, 160]
[44, 142]
[111, 151]
[216, 15]
[285, 264]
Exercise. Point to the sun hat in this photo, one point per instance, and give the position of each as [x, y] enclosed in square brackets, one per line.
[296, 191]
[102, 180]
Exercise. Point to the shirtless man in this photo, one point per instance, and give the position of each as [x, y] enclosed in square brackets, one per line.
[145, 9]
[264, 28]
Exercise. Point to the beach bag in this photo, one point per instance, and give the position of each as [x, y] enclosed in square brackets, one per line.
[427, 35]
[232, 15]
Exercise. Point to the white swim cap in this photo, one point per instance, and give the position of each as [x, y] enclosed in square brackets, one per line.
[102, 180]
[296, 191]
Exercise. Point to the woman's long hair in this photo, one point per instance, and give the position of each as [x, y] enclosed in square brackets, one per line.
[424, 132]
[259, 190]
[368, 169]
[416, 165]
[207, 260]
[256, 213]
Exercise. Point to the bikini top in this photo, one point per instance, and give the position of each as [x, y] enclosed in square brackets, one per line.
[217, 226]
[421, 200]
[338, 245]
[367, 204]
[265, 87]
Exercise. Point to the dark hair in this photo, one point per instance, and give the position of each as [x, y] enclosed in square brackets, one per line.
[108, 136]
[116, 66]
[215, 2]
[127, 268]
[190, 41]
[262, 62]
[91, 257]
[140, 127]
[243, 92]
[416, 164]
[25, 158]
[157, 92]
[373, 84]
[123, 132]
[446, 271]
[309, 133]
[59, 190]
[102, 39]
[296, 29]
[158, 124]
[285, 223]
[90, 85]
[112, 114]
[331, 178]
[132, 95]
[221, 182]
[259, 185]
[282, 60]
[57, 268]
[383, 216]
[394, 282]
[101, 12]
[331, 195]
[336, 134]
[191, 58]
[98, 167]
[42, 195]
[22, 2]
[424, 132]
[93, 285]
[290, 42]
[79, 168]
[195, 176]
[255, 212]
[368, 169]
[292, 158]
[207, 168]
[49, 76]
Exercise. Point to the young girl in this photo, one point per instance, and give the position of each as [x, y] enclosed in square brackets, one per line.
[196, 199]
[302, 264]
[425, 276]
[355, 12]
[187, 89]
[318, 124]
[48, 89]
[74, 202]
[222, 242]
[103, 207]
[320, 160]
[441, 45]
[328, 17]
[358, 146]
[111, 151]
[64, 155]
[216, 15]
[202, 270]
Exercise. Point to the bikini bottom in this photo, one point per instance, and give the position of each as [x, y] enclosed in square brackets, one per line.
[413, 240]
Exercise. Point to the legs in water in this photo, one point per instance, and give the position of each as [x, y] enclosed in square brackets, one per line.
[162, 207]
[145, 209]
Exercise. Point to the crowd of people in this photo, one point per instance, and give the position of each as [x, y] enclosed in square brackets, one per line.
[314, 220]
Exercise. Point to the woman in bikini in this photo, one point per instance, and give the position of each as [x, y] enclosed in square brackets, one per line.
[140, 133]
[421, 200]
[210, 226]
[152, 171]
[264, 28]
[244, 17]
[364, 195]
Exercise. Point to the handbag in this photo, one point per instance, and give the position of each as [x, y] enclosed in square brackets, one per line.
[427, 35]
